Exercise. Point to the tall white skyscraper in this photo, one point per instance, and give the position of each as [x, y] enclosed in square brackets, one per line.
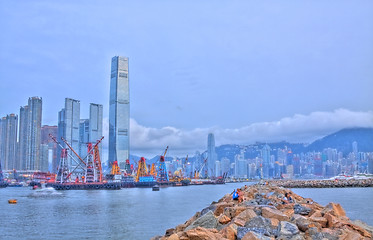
[119, 111]
[211, 155]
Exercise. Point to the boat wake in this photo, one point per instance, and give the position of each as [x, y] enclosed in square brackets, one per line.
[45, 192]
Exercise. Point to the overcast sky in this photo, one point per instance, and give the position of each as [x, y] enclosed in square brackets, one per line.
[245, 70]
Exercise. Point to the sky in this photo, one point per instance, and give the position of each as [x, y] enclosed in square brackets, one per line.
[246, 71]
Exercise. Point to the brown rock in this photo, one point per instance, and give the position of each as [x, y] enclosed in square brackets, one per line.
[247, 214]
[315, 213]
[229, 232]
[200, 233]
[360, 230]
[232, 212]
[250, 236]
[169, 232]
[288, 212]
[239, 222]
[223, 219]
[173, 237]
[274, 213]
[350, 235]
[331, 220]
[334, 209]
[274, 222]
[220, 207]
[180, 227]
[322, 221]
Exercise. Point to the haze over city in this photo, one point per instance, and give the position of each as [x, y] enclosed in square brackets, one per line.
[245, 71]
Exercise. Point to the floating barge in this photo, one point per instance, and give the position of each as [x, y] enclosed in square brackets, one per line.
[85, 186]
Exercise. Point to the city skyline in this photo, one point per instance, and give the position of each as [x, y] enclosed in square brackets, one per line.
[254, 75]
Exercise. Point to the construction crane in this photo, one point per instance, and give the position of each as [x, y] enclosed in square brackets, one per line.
[92, 168]
[141, 170]
[153, 170]
[115, 170]
[197, 174]
[162, 171]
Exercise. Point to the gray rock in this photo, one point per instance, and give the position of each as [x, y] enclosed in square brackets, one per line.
[287, 229]
[258, 225]
[243, 231]
[251, 202]
[206, 221]
[209, 208]
[302, 210]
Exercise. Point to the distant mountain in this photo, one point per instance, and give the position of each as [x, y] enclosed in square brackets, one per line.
[343, 139]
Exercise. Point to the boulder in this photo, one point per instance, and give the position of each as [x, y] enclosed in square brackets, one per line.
[239, 222]
[200, 233]
[207, 209]
[301, 209]
[259, 225]
[254, 236]
[220, 207]
[173, 237]
[274, 213]
[287, 229]
[223, 219]
[321, 220]
[247, 214]
[232, 212]
[334, 209]
[169, 232]
[206, 221]
[229, 232]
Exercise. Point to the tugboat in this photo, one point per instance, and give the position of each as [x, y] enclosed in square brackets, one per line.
[155, 188]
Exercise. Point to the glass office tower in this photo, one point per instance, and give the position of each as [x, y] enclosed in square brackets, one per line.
[95, 125]
[119, 111]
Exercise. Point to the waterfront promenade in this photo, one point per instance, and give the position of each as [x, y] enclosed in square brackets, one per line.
[263, 213]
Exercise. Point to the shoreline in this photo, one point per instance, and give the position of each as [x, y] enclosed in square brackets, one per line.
[262, 214]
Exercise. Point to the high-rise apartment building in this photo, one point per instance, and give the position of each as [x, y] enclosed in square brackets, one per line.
[30, 134]
[211, 155]
[119, 111]
[23, 136]
[8, 142]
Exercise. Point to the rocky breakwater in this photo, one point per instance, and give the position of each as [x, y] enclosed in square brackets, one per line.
[262, 214]
[323, 183]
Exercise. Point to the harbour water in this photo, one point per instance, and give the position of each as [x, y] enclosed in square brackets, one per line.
[137, 213]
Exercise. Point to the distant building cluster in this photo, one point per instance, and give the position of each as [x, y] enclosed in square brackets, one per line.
[25, 145]
[264, 162]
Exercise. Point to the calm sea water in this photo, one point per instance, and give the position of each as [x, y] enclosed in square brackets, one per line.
[135, 213]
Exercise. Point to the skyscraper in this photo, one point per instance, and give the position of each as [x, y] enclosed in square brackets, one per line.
[119, 111]
[23, 136]
[33, 135]
[68, 127]
[52, 146]
[211, 155]
[8, 141]
[95, 125]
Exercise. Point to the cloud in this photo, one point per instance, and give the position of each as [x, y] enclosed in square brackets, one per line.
[148, 141]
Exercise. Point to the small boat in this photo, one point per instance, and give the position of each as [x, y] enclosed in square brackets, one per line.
[155, 188]
[12, 201]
